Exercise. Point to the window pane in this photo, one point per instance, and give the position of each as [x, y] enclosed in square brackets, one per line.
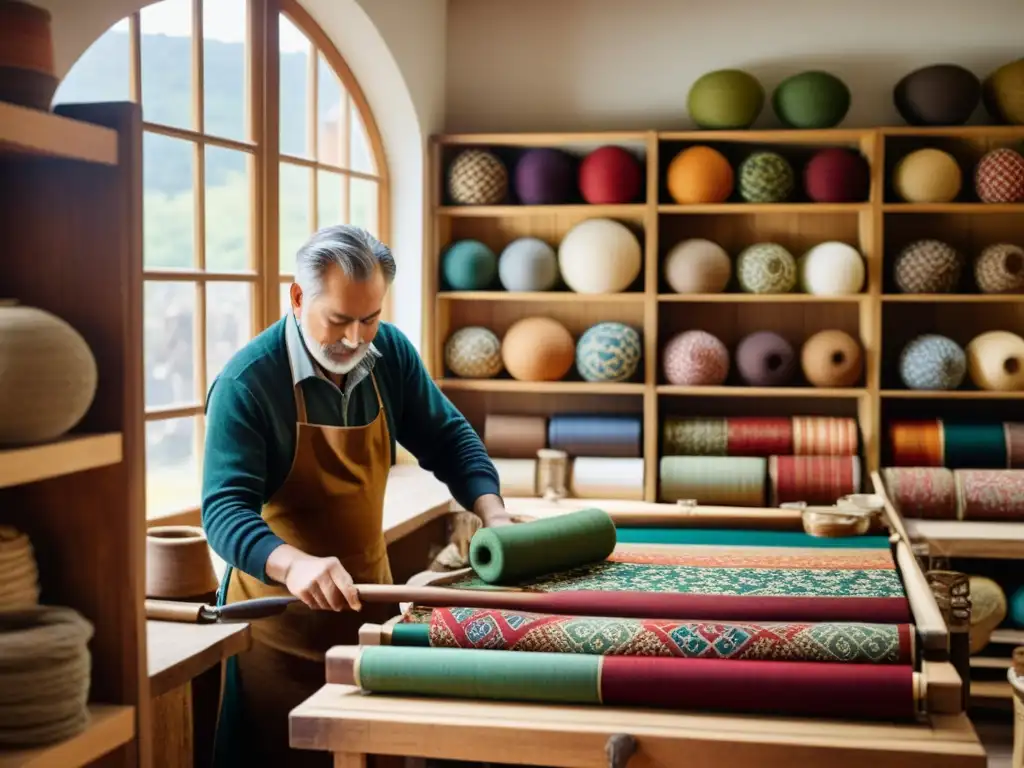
[295, 53]
[169, 319]
[228, 214]
[364, 204]
[286, 298]
[172, 468]
[102, 73]
[168, 212]
[295, 211]
[225, 97]
[330, 193]
[331, 111]
[166, 29]
[360, 158]
[228, 323]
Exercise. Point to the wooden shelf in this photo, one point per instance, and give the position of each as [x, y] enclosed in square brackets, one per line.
[111, 727]
[726, 391]
[957, 538]
[1008, 636]
[990, 662]
[545, 296]
[504, 211]
[953, 208]
[763, 208]
[761, 298]
[34, 132]
[74, 453]
[950, 394]
[952, 298]
[990, 691]
[541, 387]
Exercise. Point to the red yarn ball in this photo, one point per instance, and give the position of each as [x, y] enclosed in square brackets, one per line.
[999, 177]
[837, 175]
[610, 176]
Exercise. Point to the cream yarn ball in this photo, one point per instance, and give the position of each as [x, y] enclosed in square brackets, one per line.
[995, 361]
[832, 269]
[599, 256]
[697, 266]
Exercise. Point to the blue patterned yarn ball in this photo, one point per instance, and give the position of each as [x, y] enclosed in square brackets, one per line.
[608, 352]
[933, 362]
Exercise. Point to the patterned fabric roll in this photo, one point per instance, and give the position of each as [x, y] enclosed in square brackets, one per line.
[990, 494]
[695, 437]
[729, 480]
[514, 437]
[813, 479]
[927, 493]
[824, 436]
[760, 436]
[609, 435]
[974, 446]
[1014, 444]
[916, 443]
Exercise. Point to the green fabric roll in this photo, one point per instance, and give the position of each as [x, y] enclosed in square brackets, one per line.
[973, 446]
[514, 553]
[479, 674]
[744, 538]
[411, 635]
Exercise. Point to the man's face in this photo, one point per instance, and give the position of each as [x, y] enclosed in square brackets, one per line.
[339, 323]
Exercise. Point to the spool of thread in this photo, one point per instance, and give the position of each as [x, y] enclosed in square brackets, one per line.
[926, 493]
[916, 443]
[19, 573]
[728, 480]
[990, 494]
[552, 473]
[607, 435]
[824, 436]
[514, 437]
[514, 553]
[607, 478]
[813, 479]
[974, 446]
[759, 436]
[694, 437]
[517, 477]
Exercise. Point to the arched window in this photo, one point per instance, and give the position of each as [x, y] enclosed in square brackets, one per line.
[255, 135]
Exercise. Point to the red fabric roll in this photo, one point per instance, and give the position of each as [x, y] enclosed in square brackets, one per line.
[782, 687]
[990, 494]
[813, 479]
[759, 436]
[922, 492]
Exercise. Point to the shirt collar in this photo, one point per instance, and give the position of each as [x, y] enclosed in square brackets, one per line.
[302, 364]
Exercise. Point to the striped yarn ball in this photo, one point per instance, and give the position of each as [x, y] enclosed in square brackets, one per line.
[477, 177]
[999, 177]
[696, 358]
[608, 352]
[933, 362]
[928, 266]
[473, 353]
[1000, 269]
[766, 177]
[766, 268]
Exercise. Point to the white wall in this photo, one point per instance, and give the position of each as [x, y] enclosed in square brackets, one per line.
[613, 64]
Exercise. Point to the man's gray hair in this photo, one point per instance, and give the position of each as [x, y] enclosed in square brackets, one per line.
[353, 249]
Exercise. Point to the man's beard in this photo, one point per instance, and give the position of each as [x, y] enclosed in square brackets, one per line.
[327, 355]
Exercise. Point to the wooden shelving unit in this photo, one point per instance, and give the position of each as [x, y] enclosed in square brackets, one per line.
[71, 234]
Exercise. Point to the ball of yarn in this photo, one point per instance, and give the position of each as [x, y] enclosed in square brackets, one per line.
[940, 94]
[696, 358]
[725, 99]
[832, 359]
[811, 99]
[1016, 607]
[766, 268]
[699, 175]
[995, 361]
[837, 175]
[545, 176]
[610, 176]
[765, 359]
[766, 177]
[477, 177]
[928, 266]
[608, 352]
[932, 362]
[999, 177]
[1003, 93]
[988, 609]
[599, 256]
[538, 349]
[697, 266]
[1000, 269]
[927, 176]
[473, 353]
[528, 264]
[469, 265]
[832, 269]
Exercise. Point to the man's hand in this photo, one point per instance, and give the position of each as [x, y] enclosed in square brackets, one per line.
[491, 510]
[319, 582]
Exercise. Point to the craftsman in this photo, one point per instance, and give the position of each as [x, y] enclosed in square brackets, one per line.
[302, 426]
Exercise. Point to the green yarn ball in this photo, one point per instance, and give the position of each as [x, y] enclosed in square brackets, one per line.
[766, 177]
[725, 99]
[766, 268]
[469, 265]
[811, 100]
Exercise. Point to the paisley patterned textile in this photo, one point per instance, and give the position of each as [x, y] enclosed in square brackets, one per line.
[922, 492]
[541, 633]
[990, 494]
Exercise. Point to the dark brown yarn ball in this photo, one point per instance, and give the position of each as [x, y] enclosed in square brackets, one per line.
[837, 175]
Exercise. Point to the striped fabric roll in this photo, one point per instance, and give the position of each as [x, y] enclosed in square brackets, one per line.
[727, 480]
[824, 436]
[599, 435]
[927, 493]
[813, 479]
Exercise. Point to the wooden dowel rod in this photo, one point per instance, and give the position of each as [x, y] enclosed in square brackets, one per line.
[169, 610]
[927, 617]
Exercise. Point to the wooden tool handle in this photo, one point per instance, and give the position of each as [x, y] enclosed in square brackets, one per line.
[170, 610]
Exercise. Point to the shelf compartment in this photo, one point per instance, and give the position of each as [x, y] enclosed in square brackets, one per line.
[542, 296]
[540, 387]
[769, 392]
[25, 131]
[760, 298]
[110, 727]
[743, 208]
[584, 211]
[70, 454]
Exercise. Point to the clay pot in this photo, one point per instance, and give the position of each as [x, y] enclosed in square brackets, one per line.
[178, 563]
[27, 76]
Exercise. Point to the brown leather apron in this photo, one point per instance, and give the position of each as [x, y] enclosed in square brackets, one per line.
[331, 504]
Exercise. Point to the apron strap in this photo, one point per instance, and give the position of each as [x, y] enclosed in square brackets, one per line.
[380, 403]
